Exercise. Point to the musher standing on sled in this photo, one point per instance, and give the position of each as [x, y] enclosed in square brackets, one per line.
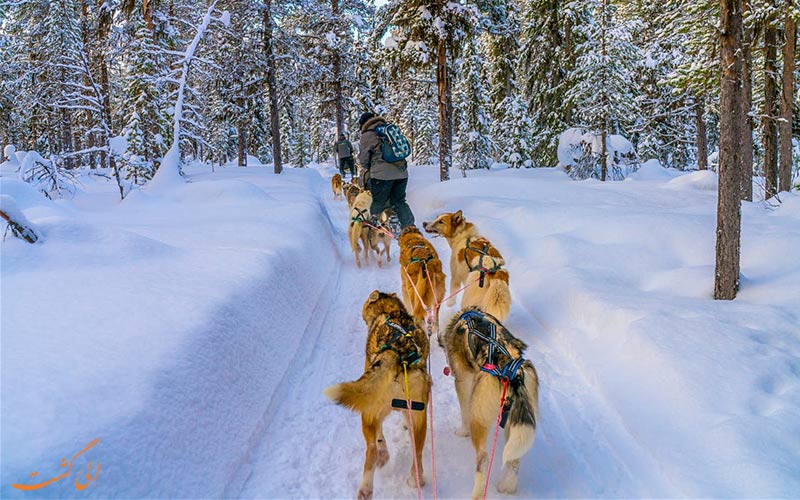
[388, 181]
[344, 151]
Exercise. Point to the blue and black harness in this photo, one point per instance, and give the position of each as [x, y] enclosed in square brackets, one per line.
[479, 328]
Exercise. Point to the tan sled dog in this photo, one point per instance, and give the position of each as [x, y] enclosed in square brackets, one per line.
[380, 241]
[420, 273]
[481, 352]
[392, 343]
[350, 192]
[336, 185]
[358, 232]
[473, 259]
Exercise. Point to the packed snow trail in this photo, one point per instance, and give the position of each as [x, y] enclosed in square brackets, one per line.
[314, 449]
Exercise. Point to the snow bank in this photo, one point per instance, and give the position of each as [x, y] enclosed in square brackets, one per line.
[704, 180]
[161, 325]
[651, 170]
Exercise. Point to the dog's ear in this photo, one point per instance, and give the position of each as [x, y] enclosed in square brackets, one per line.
[375, 295]
[458, 218]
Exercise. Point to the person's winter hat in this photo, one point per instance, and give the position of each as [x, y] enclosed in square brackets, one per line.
[365, 117]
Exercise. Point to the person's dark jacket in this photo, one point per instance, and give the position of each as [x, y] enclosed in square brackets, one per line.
[370, 157]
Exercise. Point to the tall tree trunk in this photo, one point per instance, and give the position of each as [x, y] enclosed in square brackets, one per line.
[702, 140]
[272, 88]
[787, 99]
[604, 96]
[103, 33]
[337, 78]
[67, 146]
[746, 167]
[443, 85]
[770, 130]
[241, 139]
[726, 282]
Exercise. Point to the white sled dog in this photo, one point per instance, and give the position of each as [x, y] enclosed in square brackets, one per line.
[481, 354]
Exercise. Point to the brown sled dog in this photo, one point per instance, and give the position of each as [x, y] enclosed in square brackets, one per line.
[475, 342]
[420, 269]
[393, 341]
[358, 232]
[336, 185]
[473, 259]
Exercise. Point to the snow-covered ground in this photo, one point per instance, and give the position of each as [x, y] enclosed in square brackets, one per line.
[193, 332]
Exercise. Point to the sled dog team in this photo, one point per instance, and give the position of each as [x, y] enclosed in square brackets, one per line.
[485, 359]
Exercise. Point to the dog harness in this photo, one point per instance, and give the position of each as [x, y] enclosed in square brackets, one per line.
[409, 358]
[360, 216]
[424, 261]
[488, 333]
[483, 252]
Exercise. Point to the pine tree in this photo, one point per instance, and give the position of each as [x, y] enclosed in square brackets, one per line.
[551, 32]
[474, 144]
[602, 94]
[144, 116]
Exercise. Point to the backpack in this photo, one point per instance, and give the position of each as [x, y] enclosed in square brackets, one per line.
[394, 145]
[344, 150]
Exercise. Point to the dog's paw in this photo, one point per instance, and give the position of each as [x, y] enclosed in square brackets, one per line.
[463, 432]
[364, 493]
[412, 480]
[507, 485]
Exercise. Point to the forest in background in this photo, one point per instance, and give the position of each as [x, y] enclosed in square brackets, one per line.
[93, 83]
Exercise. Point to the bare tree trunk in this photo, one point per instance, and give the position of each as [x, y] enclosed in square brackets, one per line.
[443, 85]
[604, 97]
[66, 136]
[103, 32]
[789, 62]
[241, 138]
[272, 88]
[702, 140]
[726, 282]
[746, 167]
[770, 130]
[337, 78]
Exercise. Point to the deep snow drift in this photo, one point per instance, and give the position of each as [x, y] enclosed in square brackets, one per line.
[193, 333]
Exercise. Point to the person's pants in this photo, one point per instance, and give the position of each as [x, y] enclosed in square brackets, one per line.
[391, 193]
[345, 163]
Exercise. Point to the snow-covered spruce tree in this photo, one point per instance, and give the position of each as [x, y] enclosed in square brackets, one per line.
[52, 38]
[512, 133]
[603, 92]
[666, 127]
[232, 86]
[144, 110]
[418, 118]
[551, 32]
[474, 145]
[427, 34]
[695, 68]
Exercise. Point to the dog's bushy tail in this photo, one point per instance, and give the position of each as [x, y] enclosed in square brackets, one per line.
[523, 414]
[360, 395]
[497, 300]
[355, 235]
